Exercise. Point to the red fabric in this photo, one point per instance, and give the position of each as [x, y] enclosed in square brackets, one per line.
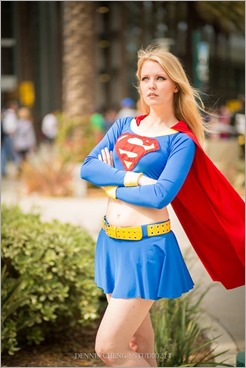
[139, 119]
[131, 147]
[212, 215]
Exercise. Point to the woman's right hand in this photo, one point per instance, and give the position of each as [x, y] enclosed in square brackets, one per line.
[106, 156]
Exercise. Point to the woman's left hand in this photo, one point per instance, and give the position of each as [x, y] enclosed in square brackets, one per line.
[106, 156]
[145, 180]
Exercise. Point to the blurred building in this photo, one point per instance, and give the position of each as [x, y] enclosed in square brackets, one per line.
[32, 54]
[39, 43]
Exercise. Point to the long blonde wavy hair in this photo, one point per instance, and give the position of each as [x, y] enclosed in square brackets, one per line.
[186, 101]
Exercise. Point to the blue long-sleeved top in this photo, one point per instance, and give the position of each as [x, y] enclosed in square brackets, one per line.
[166, 158]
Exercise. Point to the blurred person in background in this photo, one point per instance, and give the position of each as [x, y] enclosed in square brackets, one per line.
[24, 136]
[98, 126]
[109, 118]
[8, 128]
[224, 120]
[50, 126]
[127, 108]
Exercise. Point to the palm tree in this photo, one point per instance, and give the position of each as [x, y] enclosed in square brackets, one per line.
[78, 58]
[226, 15]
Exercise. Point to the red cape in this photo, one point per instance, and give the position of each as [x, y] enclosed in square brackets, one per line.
[212, 215]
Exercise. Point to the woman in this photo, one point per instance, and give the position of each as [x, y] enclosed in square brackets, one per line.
[24, 136]
[143, 164]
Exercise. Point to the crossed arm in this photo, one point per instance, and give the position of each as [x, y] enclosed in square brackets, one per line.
[159, 193]
[133, 187]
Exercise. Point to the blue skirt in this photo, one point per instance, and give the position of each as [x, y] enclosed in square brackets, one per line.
[150, 268]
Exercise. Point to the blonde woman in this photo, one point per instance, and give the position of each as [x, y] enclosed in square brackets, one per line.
[144, 163]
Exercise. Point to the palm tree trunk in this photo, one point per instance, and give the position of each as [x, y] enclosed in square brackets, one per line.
[78, 58]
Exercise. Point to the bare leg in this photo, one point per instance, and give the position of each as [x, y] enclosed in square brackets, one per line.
[121, 320]
[143, 340]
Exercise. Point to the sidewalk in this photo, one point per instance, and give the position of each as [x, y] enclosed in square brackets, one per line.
[223, 309]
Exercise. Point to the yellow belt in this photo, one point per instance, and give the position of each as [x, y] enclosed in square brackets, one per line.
[136, 232]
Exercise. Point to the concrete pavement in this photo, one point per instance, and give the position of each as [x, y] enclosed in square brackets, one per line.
[223, 310]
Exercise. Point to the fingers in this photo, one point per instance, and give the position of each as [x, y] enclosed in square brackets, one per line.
[111, 158]
[106, 156]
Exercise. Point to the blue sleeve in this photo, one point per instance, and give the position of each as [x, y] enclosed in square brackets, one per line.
[98, 172]
[161, 193]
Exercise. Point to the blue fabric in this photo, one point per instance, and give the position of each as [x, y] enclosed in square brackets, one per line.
[96, 171]
[169, 165]
[150, 268]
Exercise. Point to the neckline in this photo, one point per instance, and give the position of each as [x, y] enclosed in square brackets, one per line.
[168, 131]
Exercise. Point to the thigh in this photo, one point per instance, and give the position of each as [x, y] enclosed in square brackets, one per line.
[145, 329]
[122, 319]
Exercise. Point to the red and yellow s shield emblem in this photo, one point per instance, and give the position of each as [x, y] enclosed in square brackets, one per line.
[131, 148]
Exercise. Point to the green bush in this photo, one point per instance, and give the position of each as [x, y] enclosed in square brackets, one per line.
[179, 338]
[47, 278]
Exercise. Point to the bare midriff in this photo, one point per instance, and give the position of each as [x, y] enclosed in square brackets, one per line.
[120, 213]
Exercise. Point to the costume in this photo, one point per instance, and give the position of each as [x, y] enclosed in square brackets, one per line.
[168, 159]
[216, 211]
[151, 268]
